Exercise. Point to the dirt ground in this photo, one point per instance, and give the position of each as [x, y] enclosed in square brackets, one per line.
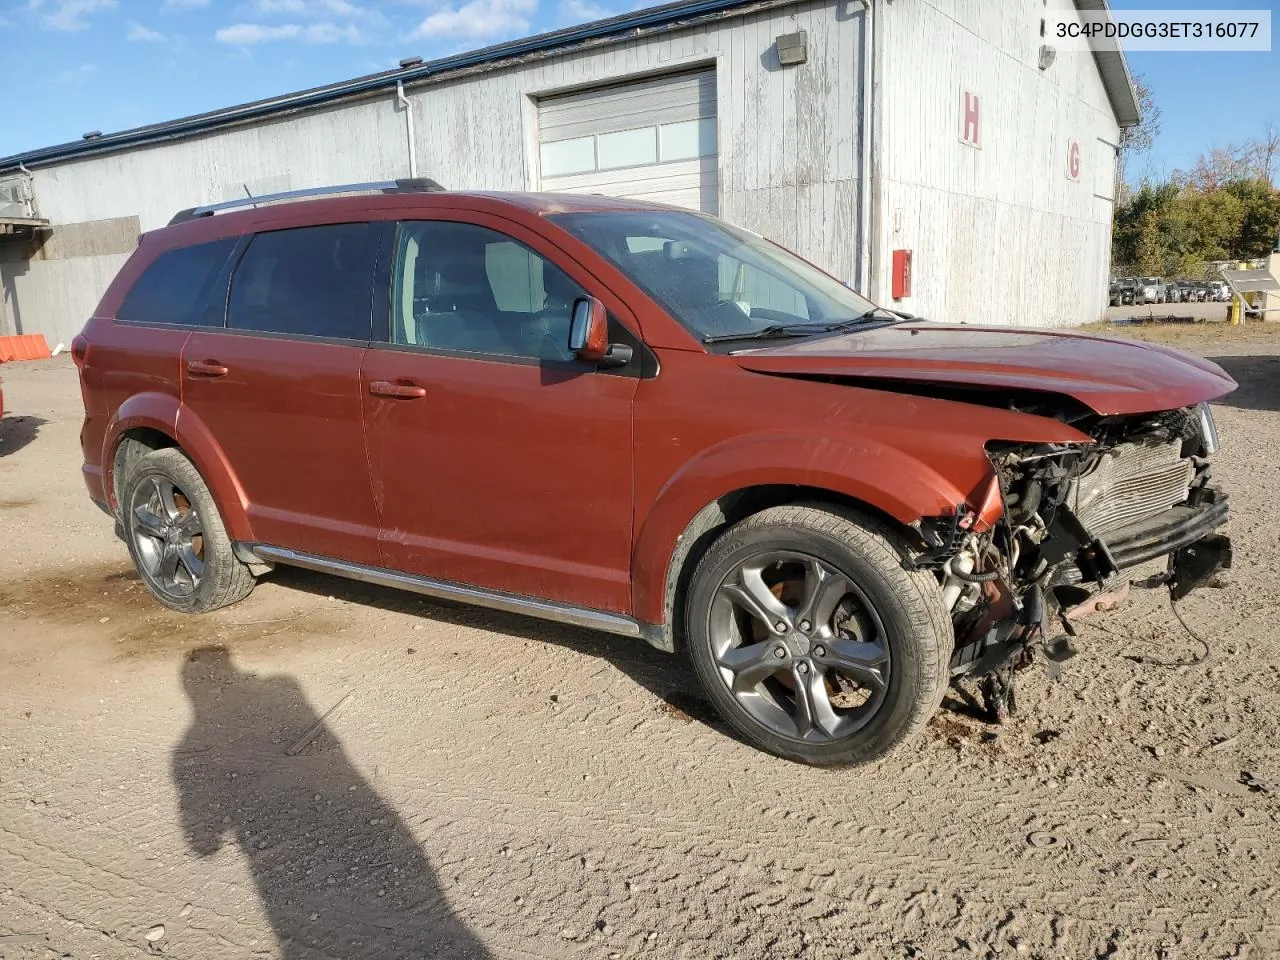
[492, 786]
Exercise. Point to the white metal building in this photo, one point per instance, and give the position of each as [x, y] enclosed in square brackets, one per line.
[844, 129]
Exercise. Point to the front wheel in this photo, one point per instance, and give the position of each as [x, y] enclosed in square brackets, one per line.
[813, 638]
[176, 537]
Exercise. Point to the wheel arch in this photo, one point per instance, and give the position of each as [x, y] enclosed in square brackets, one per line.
[149, 422]
[860, 473]
[131, 445]
[730, 508]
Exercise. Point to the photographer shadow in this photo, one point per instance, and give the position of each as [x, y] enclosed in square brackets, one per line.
[338, 872]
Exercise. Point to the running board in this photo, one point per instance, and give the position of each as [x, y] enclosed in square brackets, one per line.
[444, 590]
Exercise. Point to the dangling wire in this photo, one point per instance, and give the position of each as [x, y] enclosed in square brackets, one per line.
[1192, 634]
[1149, 661]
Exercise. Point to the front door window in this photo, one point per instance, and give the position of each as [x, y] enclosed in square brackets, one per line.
[466, 288]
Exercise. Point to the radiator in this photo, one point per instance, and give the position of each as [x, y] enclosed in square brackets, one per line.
[1132, 482]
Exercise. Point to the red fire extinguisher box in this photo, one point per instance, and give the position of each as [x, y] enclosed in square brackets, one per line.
[901, 274]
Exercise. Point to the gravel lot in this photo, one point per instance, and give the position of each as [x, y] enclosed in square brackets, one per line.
[492, 786]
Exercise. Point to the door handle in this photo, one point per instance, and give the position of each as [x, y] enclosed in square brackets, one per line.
[400, 391]
[206, 368]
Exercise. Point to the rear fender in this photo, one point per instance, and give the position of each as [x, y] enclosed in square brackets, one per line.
[162, 412]
[883, 478]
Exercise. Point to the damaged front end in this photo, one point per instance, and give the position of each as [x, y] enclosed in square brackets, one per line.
[1069, 521]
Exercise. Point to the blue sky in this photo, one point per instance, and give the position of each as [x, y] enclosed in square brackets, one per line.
[1208, 99]
[71, 66]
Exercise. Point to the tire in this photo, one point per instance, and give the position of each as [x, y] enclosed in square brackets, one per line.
[172, 524]
[882, 626]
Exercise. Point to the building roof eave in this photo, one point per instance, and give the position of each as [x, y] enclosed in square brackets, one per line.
[1114, 71]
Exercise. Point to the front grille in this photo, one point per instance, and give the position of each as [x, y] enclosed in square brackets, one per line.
[1131, 482]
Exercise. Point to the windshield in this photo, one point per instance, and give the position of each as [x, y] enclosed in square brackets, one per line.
[715, 279]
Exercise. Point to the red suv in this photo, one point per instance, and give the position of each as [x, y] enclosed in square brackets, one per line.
[642, 420]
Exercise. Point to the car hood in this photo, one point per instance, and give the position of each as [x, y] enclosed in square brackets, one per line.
[1109, 376]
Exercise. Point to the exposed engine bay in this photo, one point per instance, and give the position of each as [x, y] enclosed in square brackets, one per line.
[1073, 518]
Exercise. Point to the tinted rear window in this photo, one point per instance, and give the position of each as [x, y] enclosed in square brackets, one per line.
[176, 287]
[310, 281]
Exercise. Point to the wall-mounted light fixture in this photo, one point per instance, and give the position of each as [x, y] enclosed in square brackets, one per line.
[1048, 54]
[793, 48]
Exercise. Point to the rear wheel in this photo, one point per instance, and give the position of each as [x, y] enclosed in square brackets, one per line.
[176, 537]
[813, 639]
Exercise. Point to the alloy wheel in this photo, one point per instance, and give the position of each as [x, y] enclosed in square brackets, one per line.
[799, 645]
[168, 537]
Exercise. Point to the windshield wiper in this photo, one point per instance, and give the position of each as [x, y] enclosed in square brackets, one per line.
[875, 313]
[780, 330]
[776, 331]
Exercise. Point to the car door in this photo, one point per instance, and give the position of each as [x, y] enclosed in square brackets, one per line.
[498, 459]
[278, 387]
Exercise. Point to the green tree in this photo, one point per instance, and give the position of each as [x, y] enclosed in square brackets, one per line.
[1224, 208]
[1137, 235]
[1209, 225]
[1149, 251]
[1259, 225]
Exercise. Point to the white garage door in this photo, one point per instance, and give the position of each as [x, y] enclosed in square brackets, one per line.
[652, 140]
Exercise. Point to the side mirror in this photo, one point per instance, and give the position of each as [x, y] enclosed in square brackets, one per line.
[589, 330]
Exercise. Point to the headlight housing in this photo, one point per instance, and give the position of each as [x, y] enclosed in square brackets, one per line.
[1208, 429]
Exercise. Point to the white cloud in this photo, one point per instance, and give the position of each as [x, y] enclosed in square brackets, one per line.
[310, 9]
[68, 15]
[75, 75]
[250, 34]
[267, 8]
[140, 33]
[341, 8]
[330, 33]
[247, 34]
[479, 19]
[175, 5]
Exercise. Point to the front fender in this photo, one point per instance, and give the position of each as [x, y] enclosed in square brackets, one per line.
[165, 414]
[884, 478]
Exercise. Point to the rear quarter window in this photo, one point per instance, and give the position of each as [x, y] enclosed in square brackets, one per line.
[176, 288]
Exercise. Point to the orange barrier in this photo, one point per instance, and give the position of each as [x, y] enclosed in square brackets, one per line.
[29, 346]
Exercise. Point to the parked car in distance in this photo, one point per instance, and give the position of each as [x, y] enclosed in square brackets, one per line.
[1150, 290]
[1126, 289]
[1218, 291]
[641, 420]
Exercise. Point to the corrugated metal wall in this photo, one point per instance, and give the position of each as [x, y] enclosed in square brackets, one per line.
[998, 233]
[788, 138]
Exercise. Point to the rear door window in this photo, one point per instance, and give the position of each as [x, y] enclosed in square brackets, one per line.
[176, 288]
[307, 282]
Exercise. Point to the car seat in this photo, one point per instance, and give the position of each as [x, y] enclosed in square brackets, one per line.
[460, 309]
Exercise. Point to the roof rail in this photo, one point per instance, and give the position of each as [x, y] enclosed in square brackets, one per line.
[407, 185]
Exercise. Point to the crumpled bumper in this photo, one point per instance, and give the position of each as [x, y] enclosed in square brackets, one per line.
[1187, 534]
